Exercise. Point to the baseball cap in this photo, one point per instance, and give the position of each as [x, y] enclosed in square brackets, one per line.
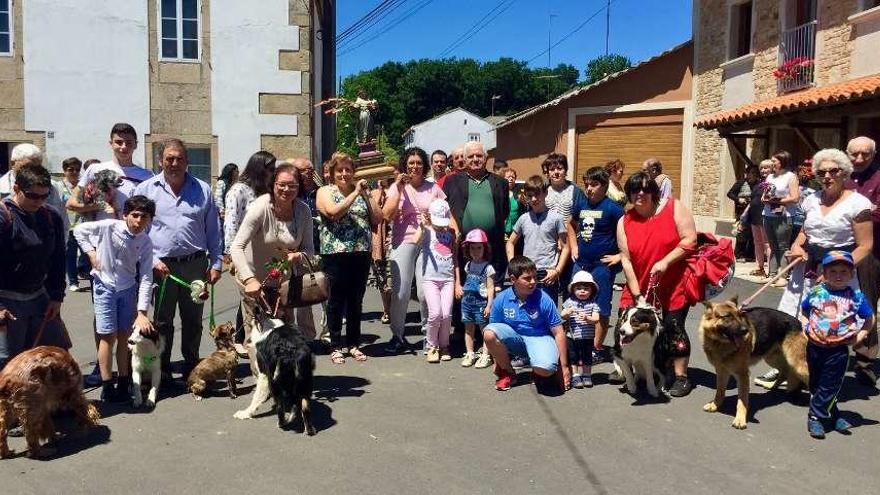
[439, 211]
[838, 256]
[477, 236]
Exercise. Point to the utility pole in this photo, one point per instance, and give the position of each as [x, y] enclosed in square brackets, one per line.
[607, 24]
[494, 97]
[550, 16]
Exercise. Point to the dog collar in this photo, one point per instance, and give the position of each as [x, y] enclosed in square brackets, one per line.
[148, 360]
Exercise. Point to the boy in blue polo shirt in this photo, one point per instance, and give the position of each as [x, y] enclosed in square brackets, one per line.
[524, 322]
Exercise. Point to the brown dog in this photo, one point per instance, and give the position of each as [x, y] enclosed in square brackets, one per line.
[218, 366]
[735, 339]
[35, 384]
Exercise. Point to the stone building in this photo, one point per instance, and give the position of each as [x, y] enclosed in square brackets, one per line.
[229, 77]
[796, 75]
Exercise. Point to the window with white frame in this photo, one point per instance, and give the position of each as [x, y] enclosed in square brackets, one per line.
[474, 137]
[179, 29]
[5, 27]
[740, 39]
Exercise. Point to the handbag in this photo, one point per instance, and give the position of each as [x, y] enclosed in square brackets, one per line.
[309, 288]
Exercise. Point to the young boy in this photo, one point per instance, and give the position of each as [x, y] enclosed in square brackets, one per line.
[582, 314]
[524, 322]
[544, 237]
[121, 255]
[835, 315]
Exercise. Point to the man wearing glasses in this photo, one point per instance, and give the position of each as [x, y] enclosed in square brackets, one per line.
[32, 265]
[865, 179]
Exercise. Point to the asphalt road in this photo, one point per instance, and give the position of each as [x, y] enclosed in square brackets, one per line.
[398, 424]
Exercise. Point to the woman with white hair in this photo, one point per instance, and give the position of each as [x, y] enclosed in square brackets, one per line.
[836, 218]
[22, 154]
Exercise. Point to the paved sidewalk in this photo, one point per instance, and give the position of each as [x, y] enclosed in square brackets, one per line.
[399, 425]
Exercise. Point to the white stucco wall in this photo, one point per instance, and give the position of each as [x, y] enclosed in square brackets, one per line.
[85, 69]
[739, 86]
[245, 39]
[450, 131]
[867, 38]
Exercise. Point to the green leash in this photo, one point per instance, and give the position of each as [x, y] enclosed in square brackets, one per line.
[161, 296]
[211, 319]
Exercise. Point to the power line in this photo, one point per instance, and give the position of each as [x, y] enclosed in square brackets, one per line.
[375, 22]
[572, 32]
[369, 19]
[478, 26]
[345, 32]
[389, 26]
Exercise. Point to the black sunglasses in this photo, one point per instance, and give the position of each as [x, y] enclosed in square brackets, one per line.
[829, 172]
[36, 197]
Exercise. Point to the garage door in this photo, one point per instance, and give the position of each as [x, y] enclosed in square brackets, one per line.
[632, 144]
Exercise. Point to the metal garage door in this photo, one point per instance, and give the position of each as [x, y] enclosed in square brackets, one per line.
[632, 144]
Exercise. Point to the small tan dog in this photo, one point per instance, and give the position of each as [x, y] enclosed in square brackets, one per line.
[35, 384]
[218, 366]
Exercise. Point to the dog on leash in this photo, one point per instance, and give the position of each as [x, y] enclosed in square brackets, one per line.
[218, 366]
[734, 339]
[146, 359]
[34, 385]
[634, 337]
[286, 367]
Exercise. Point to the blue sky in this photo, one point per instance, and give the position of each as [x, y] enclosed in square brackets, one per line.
[639, 30]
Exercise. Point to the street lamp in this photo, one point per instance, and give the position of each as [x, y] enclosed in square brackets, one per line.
[494, 97]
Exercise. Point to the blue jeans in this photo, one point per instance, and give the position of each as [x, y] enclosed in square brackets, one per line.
[19, 335]
[541, 350]
[75, 261]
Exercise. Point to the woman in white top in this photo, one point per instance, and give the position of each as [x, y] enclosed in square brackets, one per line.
[836, 218]
[253, 182]
[780, 200]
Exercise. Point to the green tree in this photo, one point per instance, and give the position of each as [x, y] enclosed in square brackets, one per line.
[415, 91]
[605, 65]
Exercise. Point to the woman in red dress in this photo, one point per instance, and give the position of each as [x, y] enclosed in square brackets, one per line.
[654, 237]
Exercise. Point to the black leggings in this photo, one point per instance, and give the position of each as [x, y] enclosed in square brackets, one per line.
[347, 274]
[674, 341]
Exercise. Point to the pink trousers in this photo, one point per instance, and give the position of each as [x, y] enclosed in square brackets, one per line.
[438, 296]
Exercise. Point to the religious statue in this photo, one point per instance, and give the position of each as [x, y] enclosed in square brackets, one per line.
[366, 109]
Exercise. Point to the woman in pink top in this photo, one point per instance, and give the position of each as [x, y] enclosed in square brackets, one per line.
[405, 205]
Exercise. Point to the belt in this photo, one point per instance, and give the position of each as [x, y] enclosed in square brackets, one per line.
[183, 259]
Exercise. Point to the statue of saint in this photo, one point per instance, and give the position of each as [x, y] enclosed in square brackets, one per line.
[366, 109]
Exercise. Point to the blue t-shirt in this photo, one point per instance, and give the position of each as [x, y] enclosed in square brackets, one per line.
[596, 228]
[533, 318]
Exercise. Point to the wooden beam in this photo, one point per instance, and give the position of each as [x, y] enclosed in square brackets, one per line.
[744, 135]
[844, 132]
[740, 152]
[806, 138]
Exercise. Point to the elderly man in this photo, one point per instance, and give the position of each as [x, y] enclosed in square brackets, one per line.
[458, 160]
[28, 154]
[32, 265]
[187, 243]
[866, 180]
[478, 200]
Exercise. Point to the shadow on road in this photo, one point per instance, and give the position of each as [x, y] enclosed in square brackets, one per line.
[332, 387]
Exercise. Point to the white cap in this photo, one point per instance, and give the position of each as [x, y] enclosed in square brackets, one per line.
[439, 211]
[583, 277]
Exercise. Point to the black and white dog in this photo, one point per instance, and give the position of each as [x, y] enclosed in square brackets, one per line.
[286, 371]
[634, 341]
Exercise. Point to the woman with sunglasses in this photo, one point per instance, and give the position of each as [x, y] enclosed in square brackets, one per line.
[836, 218]
[654, 237]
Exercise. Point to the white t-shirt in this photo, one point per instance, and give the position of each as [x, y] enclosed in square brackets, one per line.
[132, 176]
[835, 228]
[778, 186]
[561, 201]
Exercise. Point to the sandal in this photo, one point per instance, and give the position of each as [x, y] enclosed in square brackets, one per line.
[758, 273]
[337, 357]
[357, 354]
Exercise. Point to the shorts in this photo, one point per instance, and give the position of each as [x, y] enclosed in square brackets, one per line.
[472, 306]
[580, 351]
[380, 275]
[114, 310]
[541, 350]
[604, 276]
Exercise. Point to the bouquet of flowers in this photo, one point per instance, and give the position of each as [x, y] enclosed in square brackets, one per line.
[277, 271]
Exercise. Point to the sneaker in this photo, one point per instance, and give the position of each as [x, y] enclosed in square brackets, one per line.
[866, 375]
[433, 355]
[505, 380]
[468, 360]
[615, 378]
[93, 379]
[767, 380]
[445, 355]
[841, 425]
[814, 426]
[110, 394]
[73, 288]
[587, 381]
[576, 381]
[15, 431]
[601, 356]
[396, 346]
[484, 361]
[681, 387]
[519, 362]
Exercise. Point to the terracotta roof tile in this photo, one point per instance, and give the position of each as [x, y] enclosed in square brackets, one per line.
[856, 89]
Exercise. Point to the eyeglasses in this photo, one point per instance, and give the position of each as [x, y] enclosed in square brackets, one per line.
[287, 186]
[828, 172]
[35, 196]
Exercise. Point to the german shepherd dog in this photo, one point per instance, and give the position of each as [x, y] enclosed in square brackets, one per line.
[634, 341]
[735, 339]
[286, 367]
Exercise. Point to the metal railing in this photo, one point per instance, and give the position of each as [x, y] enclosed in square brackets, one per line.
[797, 53]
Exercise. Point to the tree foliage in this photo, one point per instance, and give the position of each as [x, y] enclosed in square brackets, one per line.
[606, 65]
[412, 92]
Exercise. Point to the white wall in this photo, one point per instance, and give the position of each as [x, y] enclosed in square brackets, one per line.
[867, 38]
[85, 68]
[450, 131]
[739, 86]
[245, 39]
